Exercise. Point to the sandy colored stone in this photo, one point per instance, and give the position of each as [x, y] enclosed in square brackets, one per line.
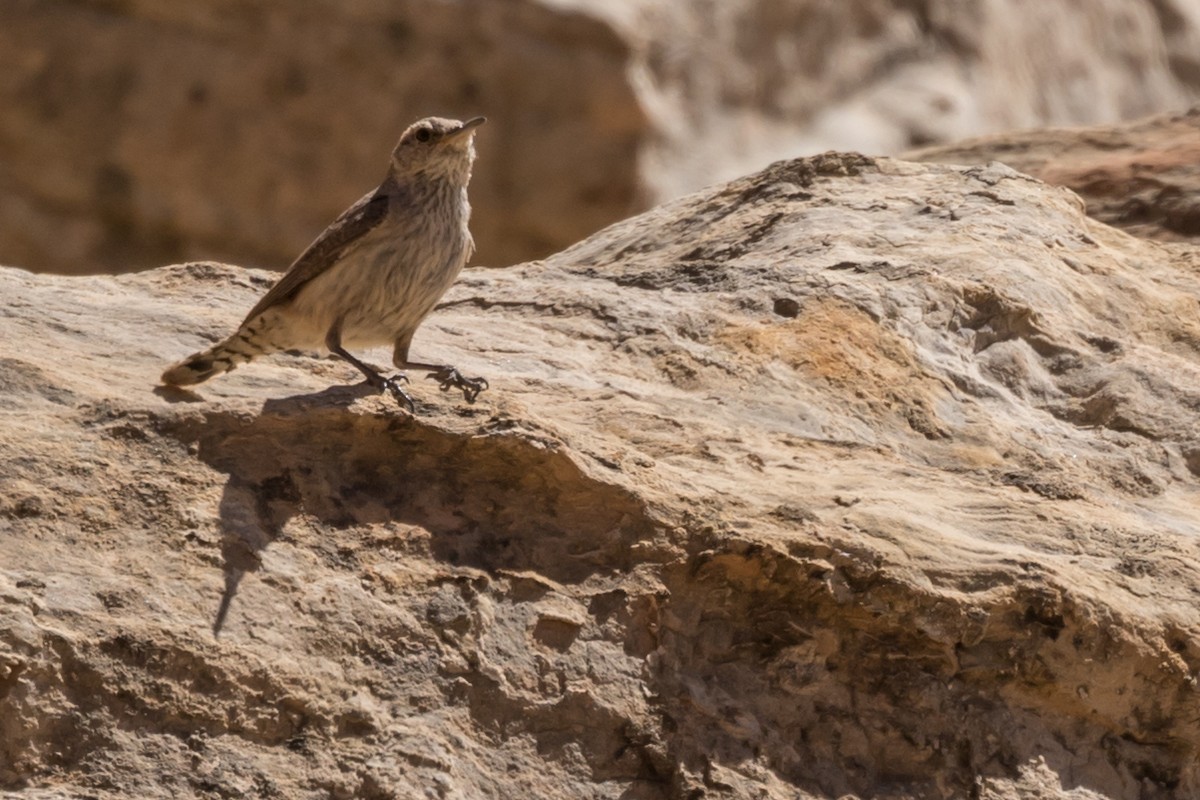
[1143, 176]
[238, 130]
[851, 478]
[140, 132]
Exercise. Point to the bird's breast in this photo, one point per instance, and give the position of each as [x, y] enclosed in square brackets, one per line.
[393, 282]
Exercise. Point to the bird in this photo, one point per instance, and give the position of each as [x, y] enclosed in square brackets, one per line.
[373, 275]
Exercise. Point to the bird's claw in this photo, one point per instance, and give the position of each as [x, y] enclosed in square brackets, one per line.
[393, 386]
[450, 378]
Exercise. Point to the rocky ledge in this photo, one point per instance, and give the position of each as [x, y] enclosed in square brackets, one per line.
[851, 477]
[1142, 177]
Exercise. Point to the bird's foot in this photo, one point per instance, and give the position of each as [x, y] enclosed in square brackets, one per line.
[450, 378]
[393, 386]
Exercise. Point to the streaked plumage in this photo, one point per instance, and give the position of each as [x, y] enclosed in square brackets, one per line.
[373, 275]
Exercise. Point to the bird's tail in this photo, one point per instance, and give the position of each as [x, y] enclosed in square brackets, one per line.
[216, 360]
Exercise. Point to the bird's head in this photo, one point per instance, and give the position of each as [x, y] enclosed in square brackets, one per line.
[436, 147]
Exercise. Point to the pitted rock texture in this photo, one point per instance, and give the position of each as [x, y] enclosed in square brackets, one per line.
[851, 478]
[138, 133]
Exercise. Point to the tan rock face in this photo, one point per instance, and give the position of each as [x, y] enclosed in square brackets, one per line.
[1143, 177]
[852, 477]
[239, 130]
[138, 133]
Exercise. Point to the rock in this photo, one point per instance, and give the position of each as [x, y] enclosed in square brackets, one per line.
[852, 477]
[1143, 177]
[239, 130]
[735, 84]
[235, 130]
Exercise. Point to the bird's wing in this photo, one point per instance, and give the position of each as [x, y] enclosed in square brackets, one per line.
[323, 253]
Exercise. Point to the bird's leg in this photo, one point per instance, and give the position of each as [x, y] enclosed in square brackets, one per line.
[333, 340]
[447, 377]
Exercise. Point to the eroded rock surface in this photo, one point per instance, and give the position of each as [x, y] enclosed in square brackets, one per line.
[1143, 177]
[852, 477]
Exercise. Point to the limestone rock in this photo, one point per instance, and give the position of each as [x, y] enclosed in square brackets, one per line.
[136, 133]
[1143, 176]
[853, 477]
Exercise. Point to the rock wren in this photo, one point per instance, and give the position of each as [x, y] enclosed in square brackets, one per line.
[372, 276]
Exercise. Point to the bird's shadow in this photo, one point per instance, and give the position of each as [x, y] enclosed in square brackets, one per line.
[489, 501]
[253, 512]
[340, 395]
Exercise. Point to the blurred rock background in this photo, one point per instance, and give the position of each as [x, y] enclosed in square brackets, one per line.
[136, 133]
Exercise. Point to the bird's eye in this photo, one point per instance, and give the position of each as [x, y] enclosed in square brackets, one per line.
[423, 134]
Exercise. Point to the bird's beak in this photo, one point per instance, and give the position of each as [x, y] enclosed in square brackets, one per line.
[467, 126]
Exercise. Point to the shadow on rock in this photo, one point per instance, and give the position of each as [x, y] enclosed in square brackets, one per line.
[490, 497]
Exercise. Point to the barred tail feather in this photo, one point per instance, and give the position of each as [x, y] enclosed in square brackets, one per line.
[216, 360]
